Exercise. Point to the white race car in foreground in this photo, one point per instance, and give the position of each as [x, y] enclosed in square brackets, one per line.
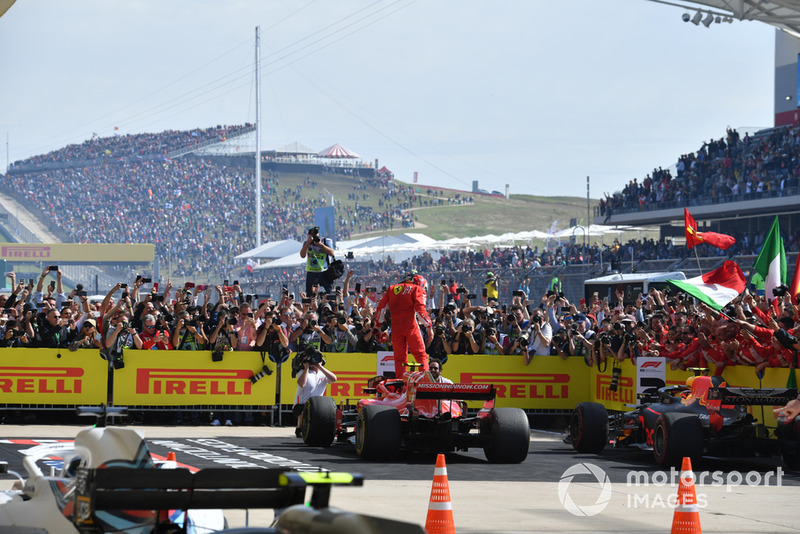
[110, 483]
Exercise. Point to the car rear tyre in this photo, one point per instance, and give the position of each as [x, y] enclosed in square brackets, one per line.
[789, 434]
[378, 432]
[676, 436]
[509, 436]
[588, 427]
[319, 421]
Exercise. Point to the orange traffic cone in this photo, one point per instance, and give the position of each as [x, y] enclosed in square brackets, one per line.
[440, 509]
[171, 457]
[687, 516]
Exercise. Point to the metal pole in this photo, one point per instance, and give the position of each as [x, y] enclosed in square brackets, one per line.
[258, 143]
[588, 213]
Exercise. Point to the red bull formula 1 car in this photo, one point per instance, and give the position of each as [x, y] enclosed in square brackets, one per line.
[702, 417]
[418, 414]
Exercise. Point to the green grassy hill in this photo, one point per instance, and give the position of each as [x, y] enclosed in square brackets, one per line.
[487, 215]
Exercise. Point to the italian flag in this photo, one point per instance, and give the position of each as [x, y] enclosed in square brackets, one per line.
[716, 288]
[771, 261]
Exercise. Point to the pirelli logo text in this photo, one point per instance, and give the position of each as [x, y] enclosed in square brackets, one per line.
[626, 392]
[17, 252]
[41, 380]
[350, 384]
[523, 386]
[193, 382]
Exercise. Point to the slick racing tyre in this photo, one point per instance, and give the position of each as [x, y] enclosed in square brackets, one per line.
[509, 436]
[588, 427]
[676, 436]
[378, 432]
[789, 436]
[319, 421]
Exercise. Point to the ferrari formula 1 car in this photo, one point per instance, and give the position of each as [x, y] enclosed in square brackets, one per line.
[418, 414]
[702, 417]
[110, 483]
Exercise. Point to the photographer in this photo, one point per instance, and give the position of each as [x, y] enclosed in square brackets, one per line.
[559, 344]
[188, 333]
[86, 337]
[317, 251]
[119, 335]
[308, 333]
[440, 346]
[312, 380]
[367, 342]
[223, 338]
[581, 339]
[14, 336]
[342, 338]
[541, 334]
[269, 333]
[464, 340]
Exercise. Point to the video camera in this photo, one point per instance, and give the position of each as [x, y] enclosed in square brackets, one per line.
[309, 355]
[780, 291]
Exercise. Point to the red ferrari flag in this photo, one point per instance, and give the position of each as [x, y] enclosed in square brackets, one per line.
[795, 287]
[694, 238]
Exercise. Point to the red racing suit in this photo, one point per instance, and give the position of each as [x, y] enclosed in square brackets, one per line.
[405, 301]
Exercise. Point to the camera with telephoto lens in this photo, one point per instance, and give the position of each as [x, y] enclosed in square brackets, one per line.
[615, 374]
[438, 330]
[490, 331]
[466, 328]
[118, 362]
[524, 339]
[217, 355]
[537, 319]
[261, 374]
[573, 327]
[630, 337]
[314, 233]
[232, 321]
[276, 320]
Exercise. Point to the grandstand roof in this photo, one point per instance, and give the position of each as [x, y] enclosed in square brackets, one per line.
[295, 148]
[783, 14]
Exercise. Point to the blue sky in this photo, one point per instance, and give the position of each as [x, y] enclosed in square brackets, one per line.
[531, 93]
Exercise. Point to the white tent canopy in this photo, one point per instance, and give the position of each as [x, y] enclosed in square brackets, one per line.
[405, 246]
[273, 249]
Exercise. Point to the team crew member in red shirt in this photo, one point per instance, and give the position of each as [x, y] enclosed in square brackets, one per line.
[406, 302]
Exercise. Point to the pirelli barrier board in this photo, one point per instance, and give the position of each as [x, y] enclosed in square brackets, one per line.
[52, 376]
[189, 378]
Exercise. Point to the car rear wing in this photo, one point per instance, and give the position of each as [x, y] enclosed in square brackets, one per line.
[440, 390]
[752, 396]
[117, 488]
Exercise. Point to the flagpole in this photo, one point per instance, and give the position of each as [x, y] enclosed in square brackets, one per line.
[698, 261]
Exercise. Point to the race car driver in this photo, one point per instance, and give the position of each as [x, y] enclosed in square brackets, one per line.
[405, 302]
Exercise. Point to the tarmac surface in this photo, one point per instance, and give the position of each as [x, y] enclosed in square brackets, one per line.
[538, 495]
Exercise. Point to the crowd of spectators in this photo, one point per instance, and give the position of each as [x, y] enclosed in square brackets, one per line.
[132, 146]
[724, 170]
[198, 213]
[474, 320]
